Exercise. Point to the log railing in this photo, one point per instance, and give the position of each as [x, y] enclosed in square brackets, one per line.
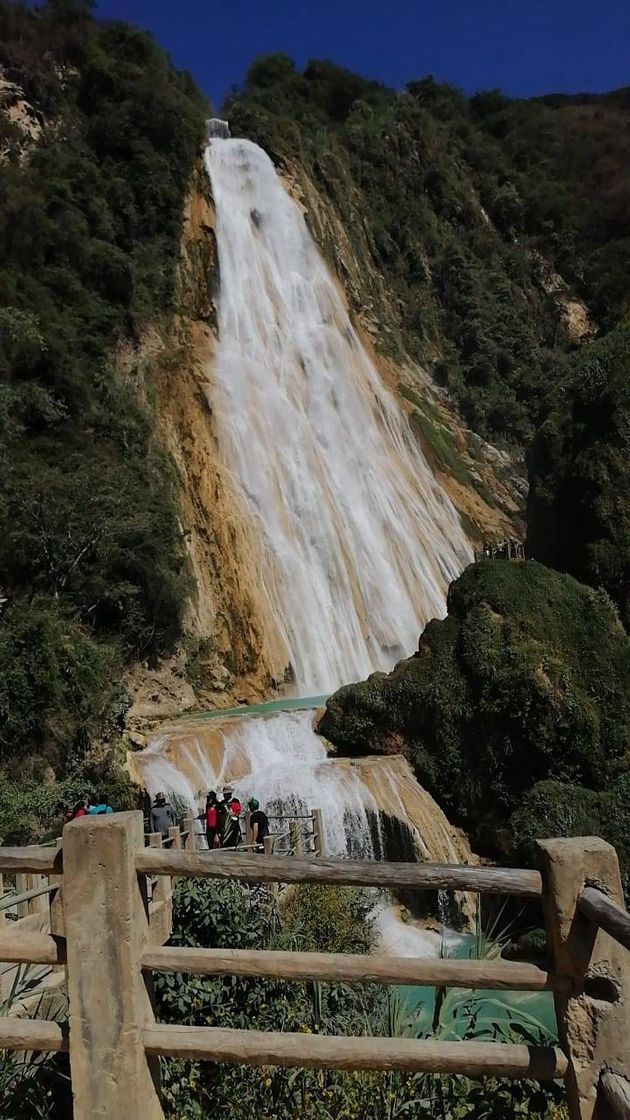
[109, 937]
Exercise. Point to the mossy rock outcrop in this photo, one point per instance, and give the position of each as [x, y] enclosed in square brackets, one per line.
[526, 680]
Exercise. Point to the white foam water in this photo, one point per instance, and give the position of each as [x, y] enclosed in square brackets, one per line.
[359, 540]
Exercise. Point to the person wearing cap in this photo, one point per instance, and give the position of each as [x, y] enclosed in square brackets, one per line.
[229, 811]
[161, 817]
[259, 824]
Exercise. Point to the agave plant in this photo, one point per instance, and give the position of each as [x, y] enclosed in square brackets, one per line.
[28, 1081]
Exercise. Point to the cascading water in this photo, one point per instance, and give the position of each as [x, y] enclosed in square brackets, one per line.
[280, 760]
[358, 540]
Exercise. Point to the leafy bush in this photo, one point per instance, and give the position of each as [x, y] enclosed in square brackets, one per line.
[230, 916]
[560, 809]
[526, 680]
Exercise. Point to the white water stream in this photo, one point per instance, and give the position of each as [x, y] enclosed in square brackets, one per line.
[358, 540]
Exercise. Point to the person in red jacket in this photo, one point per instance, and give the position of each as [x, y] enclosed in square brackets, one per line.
[212, 820]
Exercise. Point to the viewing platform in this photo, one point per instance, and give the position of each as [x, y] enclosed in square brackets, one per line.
[107, 891]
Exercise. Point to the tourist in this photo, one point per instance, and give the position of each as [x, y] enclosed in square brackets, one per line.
[161, 817]
[98, 805]
[211, 817]
[229, 811]
[80, 810]
[259, 824]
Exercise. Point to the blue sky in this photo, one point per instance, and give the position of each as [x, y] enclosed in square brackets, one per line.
[525, 47]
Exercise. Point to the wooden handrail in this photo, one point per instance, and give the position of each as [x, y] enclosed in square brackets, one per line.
[8, 901]
[32, 1034]
[261, 1048]
[351, 873]
[349, 968]
[18, 946]
[600, 909]
[33, 858]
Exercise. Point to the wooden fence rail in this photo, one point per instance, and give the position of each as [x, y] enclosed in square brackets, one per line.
[108, 932]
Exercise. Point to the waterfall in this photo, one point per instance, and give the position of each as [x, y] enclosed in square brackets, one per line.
[359, 542]
[280, 760]
[218, 129]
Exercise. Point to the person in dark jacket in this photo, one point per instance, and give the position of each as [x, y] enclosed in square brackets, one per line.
[259, 824]
[229, 812]
[161, 817]
[99, 805]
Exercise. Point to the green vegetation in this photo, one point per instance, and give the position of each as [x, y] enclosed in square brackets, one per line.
[458, 212]
[32, 1085]
[579, 500]
[327, 920]
[92, 562]
[560, 809]
[526, 681]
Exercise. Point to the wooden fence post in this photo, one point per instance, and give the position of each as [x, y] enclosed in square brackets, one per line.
[318, 833]
[295, 835]
[106, 925]
[190, 842]
[594, 1011]
[21, 886]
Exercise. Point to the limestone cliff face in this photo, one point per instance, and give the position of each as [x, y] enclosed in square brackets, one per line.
[226, 614]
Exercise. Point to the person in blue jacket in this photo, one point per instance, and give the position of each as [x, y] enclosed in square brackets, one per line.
[98, 806]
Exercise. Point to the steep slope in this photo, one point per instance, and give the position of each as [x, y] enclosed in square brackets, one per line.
[98, 138]
[491, 235]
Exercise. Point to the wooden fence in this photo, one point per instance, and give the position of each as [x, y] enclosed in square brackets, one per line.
[109, 936]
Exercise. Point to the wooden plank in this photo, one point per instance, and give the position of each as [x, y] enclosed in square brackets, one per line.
[351, 873]
[598, 908]
[29, 947]
[616, 1092]
[261, 1048]
[32, 1034]
[31, 859]
[14, 901]
[347, 968]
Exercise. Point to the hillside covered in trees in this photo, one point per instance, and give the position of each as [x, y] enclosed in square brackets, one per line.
[98, 135]
[494, 233]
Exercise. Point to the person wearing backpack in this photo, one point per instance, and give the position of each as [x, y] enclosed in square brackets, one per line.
[212, 820]
[98, 805]
[230, 810]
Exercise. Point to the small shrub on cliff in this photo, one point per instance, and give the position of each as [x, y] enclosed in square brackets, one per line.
[526, 680]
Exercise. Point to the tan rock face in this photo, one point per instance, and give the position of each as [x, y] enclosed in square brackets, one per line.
[20, 113]
[227, 607]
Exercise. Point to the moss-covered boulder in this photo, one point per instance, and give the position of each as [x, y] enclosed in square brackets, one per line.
[526, 680]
